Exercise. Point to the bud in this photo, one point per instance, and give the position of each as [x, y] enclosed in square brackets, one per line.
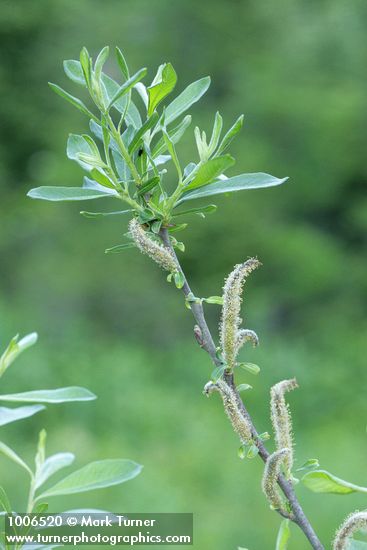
[231, 320]
[355, 522]
[231, 404]
[270, 478]
[282, 421]
[159, 253]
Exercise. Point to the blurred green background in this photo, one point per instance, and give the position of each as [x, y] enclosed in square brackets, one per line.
[297, 70]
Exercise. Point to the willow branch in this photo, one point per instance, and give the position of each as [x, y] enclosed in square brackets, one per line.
[298, 516]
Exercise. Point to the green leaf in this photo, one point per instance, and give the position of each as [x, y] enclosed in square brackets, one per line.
[172, 152]
[284, 534]
[111, 88]
[218, 300]
[66, 193]
[119, 248]
[162, 85]
[77, 145]
[217, 129]
[12, 415]
[122, 63]
[243, 387]
[12, 455]
[237, 183]
[100, 61]
[51, 465]
[135, 142]
[310, 464]
[86, 64]
[15, 348]
[60, 395]
[209, 171]
[103, 214]
[188, 97]
[74, 71]
[149, 185]
[95, 475]
[321, 481]
[4, 501]
[101, 178]
[130, 83]
[202, 210]
[175, 136]
[73, 100]
[250, 367]
[230, 135]
[179, 279]
[252, 452]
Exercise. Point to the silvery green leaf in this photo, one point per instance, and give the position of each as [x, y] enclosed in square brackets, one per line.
[236, 183]
[230, 135]
[60, 395]
[12, 455]
[96, 475]
[66, 193]
[188, 97]
[15, 348]
[12, 415]
[51, 465]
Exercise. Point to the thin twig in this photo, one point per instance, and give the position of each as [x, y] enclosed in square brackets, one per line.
[208, 344]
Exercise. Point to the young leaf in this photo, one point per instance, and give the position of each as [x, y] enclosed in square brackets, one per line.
[96, 475]
[9, 453]
[14, 349]
[103, 214]
[100, 61]
[203, 210]
[188, 97]
[12, 415]
[119, 248]
[66, 193]
[122, 90]
[217, 129]
[73, 100]
[237, 183]
[111, 88]
[172, 152]
[51, 465]
[122, 63]
[149, 185]
[162, 85]
[250, 367]
[230, 135]
[86, 64]
[357, 545]
[175, 136]
[84, 144]
[101, 178]
[218, 300]
[209, 171]
[243, 387]
[74, 71]
[284, 534]
[310, 464]
[60, 395]
[135, 142]
[321, 481]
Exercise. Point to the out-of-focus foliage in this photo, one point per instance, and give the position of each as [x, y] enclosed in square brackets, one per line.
[297, 69]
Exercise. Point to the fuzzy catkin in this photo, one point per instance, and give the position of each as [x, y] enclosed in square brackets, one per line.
[282, 421]
[245, 335]
[353, 523]
[231, 404]
[269, 482]
[157, 252]
[232, 299]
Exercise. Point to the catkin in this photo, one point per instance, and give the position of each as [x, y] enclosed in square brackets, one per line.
[245, 335]
[231, 320]
[231, 404]
[282, 421]
[269, 482]
[159, 253]
[353, 523]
